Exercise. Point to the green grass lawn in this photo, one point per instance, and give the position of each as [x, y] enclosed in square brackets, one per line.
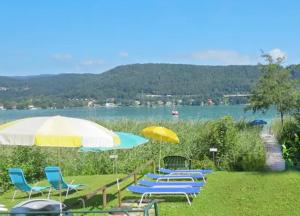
[226, 193]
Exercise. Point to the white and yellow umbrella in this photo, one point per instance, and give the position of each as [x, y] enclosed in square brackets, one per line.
[57, 131]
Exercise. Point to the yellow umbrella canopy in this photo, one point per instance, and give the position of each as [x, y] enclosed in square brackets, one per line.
[161, 133]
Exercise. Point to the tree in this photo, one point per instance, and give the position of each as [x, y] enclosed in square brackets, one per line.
[275, 87]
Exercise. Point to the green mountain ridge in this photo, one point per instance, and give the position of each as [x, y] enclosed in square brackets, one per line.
[130, 82]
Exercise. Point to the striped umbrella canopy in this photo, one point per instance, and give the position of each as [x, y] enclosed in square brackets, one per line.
[57, 131]
[128, 141]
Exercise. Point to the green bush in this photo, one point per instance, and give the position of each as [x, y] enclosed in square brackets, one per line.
[30, 159]
[288, 137]
[206, 163]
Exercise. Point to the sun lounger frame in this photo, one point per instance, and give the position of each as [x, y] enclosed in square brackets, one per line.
[167, 193]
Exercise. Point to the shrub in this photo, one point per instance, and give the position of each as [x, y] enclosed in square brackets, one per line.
[30, 159]
[249, 153]
[288, 136]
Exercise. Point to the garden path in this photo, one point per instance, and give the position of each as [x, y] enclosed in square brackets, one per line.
[274, 159]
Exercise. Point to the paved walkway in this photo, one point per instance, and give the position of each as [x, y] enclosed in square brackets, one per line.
[274, 159]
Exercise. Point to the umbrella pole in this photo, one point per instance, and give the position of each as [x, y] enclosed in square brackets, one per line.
[60, 197]
[159, 155]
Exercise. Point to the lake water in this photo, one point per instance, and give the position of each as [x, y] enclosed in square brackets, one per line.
[144, 113]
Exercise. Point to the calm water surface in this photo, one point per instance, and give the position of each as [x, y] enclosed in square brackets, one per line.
[144, 113]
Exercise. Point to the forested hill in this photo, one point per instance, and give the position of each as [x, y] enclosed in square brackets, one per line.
[129, 82]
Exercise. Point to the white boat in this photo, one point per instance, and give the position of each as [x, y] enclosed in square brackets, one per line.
[174, 111]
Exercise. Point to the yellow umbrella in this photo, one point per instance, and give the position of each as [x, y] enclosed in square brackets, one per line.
[162, 134]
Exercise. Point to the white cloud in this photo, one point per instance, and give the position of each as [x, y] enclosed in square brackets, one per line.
[227, 57]
[62, 56]
[92, 62]
[277, 53]
[123, 54]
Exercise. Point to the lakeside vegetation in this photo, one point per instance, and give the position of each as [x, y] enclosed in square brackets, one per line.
[239, 148]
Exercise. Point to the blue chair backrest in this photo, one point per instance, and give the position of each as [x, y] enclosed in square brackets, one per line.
[17, 178]
[55, 178]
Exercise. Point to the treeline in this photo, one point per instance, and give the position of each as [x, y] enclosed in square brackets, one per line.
[192, 84]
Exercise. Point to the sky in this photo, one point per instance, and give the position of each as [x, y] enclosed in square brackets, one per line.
[92, 36]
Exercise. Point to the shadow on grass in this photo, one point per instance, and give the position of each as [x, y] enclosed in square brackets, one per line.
[270, 172]
[22, 196]
[95, 202]
[166, 198]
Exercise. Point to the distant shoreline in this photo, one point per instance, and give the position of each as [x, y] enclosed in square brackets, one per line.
[144, 113]
[121, 106]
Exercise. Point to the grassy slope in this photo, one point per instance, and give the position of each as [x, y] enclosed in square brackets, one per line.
[235, 193]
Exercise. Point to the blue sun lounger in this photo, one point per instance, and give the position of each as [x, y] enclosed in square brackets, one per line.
[18, 180]
[170, 184]
[170, 171]
[164, 190]
[57, 181]
[173, 177]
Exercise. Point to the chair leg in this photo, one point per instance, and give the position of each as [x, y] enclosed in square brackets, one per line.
[14, 195]
[140, 203]
[67, 192]
[188, 199]
[49, 193]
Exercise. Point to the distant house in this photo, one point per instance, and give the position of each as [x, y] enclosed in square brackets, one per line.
[169, 103]
[2, 107]
[31, 107]
[110, 105]
[179, 101]
[159, 102]
[210, 101]
[90, 104]
[137, 103]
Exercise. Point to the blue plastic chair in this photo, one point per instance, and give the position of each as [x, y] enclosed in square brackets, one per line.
[18, 180]
[57, 181]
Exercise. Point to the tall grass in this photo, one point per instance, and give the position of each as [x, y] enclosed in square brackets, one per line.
[239, 148]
